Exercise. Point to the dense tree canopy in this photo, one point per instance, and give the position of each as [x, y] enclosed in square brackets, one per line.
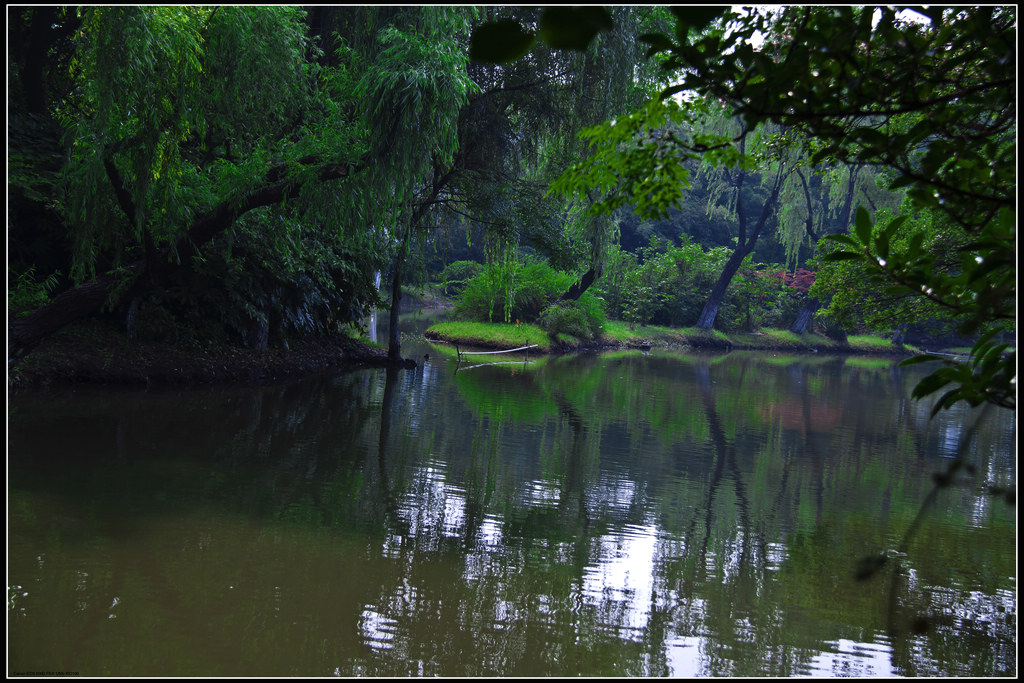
[932, 104]
[173, 124]
[254, 167]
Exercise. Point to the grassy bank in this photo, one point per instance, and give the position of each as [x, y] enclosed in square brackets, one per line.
[490, 335]
[618, 334]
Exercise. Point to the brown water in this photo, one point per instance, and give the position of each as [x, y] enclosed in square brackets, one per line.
[621, 514]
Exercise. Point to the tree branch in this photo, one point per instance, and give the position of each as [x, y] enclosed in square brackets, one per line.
[74, 304]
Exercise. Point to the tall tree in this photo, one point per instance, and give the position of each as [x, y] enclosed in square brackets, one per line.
[556, 88]
[818, 201]
[777, 162]
[413, 92]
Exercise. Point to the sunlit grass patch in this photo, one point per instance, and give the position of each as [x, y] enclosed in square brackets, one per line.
[509, 336]
[492, 335]
[962, 350]
[619, 331]
[698, 332]
[785, 339]
[706, 339]
[624, 333]
[866, 342]
[665, 334]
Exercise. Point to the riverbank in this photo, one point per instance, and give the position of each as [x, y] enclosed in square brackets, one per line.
[97, 352]
[498, 336]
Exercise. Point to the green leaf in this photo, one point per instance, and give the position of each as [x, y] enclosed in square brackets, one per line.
[573, 28]
[885, 236]
[840, 238]
[862, 225]
[695, 18]
[931, 383]
[500, 42]
[659, 42]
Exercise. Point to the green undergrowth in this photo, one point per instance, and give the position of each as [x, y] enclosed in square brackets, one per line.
[623, 333]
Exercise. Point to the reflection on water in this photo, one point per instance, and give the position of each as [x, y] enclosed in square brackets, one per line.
[621, 514]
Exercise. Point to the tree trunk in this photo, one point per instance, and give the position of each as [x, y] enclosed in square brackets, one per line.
[394, 338]
[24, 332]
[804, 317]
[707, 316]
[74, 304]
[578, 288]
[744, 246]
[851, 189]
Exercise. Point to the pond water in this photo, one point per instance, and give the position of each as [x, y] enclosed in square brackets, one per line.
[617, 514]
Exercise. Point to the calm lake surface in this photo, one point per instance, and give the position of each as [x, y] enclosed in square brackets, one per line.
[617, 514]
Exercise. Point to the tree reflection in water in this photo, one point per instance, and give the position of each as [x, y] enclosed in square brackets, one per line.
[619, 514]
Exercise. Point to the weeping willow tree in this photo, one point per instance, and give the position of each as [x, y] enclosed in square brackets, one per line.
[412, 93]
[552, 91]
[179, 121]
[820, 200]
[766, 148]
[205, 146]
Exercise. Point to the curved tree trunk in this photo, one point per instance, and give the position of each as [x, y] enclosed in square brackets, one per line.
[81, 301]
[24, 332]
[744, 246]
[710, 311]
[578, 288]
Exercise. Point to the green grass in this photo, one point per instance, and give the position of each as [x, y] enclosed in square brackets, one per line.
[866, 342]
[507, 336]
[697, 332]
[616, 331]
[490, 335]
[787, 338]
[963, 350]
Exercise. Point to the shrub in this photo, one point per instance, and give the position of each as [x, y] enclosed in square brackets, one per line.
[668, 286]
[457, 275]
[565, 318]
[763, 295]
[25, 293]
[510, 291]
[583, 318]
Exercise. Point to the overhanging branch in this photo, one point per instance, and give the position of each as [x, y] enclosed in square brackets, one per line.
[74, 304]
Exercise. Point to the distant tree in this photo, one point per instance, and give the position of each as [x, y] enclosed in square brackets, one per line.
[931, 103]
[591, 68]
